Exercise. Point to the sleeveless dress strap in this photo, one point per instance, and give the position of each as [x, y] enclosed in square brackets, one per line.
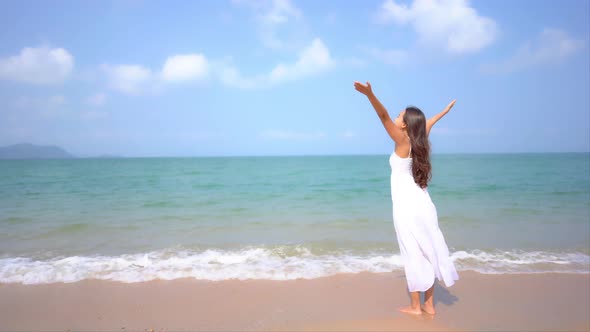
[410, 153]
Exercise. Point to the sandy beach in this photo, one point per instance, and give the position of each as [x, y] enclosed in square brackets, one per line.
[353, 302]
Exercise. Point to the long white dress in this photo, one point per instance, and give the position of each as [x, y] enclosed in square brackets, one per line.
[423, 248]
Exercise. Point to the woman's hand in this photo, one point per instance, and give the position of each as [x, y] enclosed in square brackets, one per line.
[450, 105]
[363, 88]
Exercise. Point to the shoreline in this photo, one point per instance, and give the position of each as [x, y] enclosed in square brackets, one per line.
[362, 301]
[278, 262]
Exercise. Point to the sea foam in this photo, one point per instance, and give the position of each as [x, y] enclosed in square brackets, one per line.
[278, 263]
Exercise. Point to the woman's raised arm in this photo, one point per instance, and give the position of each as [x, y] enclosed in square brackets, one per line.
[430, 122]
[390, 127]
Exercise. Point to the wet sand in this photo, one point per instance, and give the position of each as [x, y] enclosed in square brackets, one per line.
[344, 302]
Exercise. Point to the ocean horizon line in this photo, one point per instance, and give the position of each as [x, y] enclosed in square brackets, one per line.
[298, 155]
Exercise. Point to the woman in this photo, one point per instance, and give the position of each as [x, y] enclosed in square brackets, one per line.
[423, 249]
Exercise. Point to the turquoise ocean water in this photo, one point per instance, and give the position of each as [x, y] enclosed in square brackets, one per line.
[138, 219]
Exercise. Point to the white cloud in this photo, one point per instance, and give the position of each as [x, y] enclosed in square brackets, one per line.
[136, 79]
[97, 99]
[312, 60]
[273, 18]
[42, 65]
[449, 24]
[551, 46]
[315, 58]
[130, 79]
[280, 11]
[291, 135]
[185, 68]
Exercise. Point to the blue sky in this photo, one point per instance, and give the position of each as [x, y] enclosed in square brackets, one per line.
[245, 77]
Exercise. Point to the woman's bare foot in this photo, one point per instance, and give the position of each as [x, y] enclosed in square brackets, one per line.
[410, 310]
[429, 309]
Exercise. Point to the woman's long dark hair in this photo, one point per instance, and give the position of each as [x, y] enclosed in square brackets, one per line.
[416, 127]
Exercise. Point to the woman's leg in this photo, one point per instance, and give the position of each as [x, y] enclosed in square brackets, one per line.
[414, 308]
[429, 301]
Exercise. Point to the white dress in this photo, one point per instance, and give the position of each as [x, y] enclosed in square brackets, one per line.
[422, 246]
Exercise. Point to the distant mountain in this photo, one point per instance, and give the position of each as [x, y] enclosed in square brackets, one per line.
[30, 151]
